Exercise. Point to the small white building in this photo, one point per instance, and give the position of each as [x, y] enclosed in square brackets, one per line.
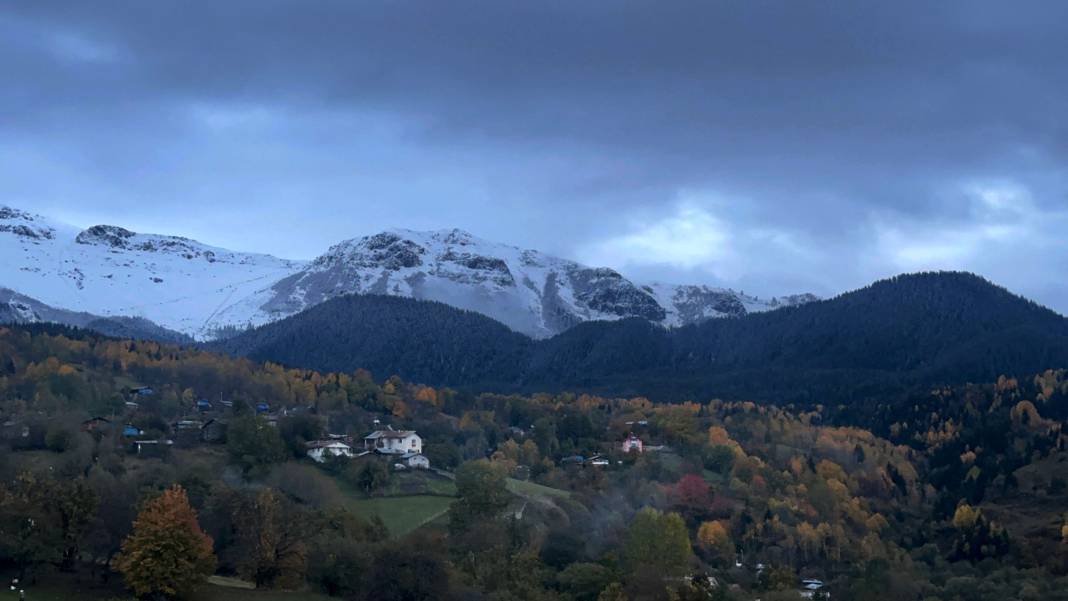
[415, 461]
[393, 442]
[319, 450]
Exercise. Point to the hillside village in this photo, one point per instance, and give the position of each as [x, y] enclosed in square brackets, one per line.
[543, 496]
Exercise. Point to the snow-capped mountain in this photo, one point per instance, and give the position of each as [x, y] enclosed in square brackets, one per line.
[203, 291]
[108, 271]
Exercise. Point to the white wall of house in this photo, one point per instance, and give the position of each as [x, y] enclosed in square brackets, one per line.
[396, 445]
[336, 449]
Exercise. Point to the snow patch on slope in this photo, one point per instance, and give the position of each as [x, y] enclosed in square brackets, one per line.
[175, 282]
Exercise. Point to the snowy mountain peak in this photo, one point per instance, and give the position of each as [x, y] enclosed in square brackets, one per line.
[204, 291]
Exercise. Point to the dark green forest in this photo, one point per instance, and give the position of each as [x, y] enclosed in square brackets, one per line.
[912, 330]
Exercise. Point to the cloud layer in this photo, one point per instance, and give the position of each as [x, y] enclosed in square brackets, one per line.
[774, 147]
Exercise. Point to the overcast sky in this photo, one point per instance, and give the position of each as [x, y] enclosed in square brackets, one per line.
[774, 147]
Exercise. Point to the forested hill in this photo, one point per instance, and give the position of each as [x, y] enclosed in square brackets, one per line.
[422, 341]
[910, 330]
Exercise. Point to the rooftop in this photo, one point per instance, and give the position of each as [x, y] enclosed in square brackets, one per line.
[389, 434]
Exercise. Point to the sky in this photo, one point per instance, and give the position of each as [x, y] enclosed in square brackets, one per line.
[771, 147]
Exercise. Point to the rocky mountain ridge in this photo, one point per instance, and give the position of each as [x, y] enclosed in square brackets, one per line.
[205, 292]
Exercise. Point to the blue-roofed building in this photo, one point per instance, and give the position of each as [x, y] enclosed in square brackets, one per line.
[204, 404]
[130, 430]
[262, 407]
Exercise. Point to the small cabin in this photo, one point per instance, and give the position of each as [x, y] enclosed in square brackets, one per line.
[130, 431]
[262, 407]
[204, 405]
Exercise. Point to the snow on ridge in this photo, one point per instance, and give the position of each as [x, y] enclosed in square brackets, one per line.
[175, 282]
[202, 290]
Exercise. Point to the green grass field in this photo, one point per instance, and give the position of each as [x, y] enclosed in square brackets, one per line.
[403, 484]
[402, 515]
[410, 500]
[524, 488]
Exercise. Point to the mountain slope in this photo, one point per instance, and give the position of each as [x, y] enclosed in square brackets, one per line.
[928, 327]
[207, 292]
[529, 291]
[177, 283]
[914, 329]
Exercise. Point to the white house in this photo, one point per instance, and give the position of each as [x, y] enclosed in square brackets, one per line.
[393, 442]
[319, 450]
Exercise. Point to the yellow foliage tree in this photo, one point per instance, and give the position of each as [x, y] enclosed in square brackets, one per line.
[715, 537]
[167, 553]
[965, 517]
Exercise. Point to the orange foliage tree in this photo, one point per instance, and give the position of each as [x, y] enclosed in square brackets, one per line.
[167, 553]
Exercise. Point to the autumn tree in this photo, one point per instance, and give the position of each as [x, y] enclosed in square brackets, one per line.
[977, 538]
[715, 539]
[692, 497]
[167, 553]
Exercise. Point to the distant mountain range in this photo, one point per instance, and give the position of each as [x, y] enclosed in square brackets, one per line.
[923, 329]
[175, 288]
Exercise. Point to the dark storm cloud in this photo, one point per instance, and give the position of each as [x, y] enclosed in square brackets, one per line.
[767, 145]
